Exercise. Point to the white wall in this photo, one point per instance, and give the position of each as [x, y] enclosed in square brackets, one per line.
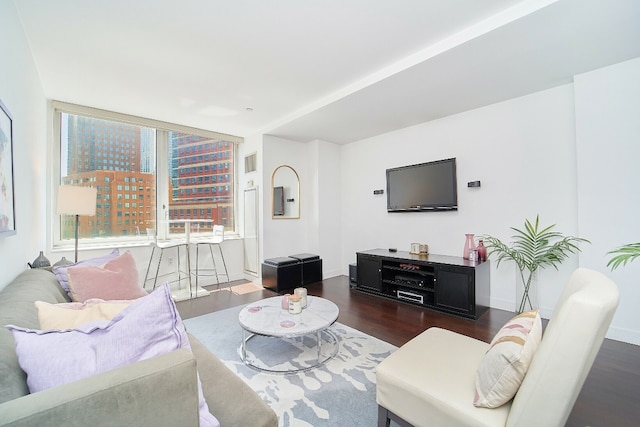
[522, 151]
[317, 230]
[326, 219]
[608, 141]
[283, 237]
[21, 92]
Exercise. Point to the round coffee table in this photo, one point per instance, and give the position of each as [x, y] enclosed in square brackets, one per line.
[267, 318]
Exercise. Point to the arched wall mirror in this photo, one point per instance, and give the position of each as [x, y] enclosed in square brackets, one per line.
[285, 193]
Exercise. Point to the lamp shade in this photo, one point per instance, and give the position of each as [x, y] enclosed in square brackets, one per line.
[74, 200]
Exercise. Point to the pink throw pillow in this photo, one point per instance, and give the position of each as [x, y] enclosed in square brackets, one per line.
[63, 277]
[117, 279]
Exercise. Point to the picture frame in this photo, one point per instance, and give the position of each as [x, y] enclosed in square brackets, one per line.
[7, 188]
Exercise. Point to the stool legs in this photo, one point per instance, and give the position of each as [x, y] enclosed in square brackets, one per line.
[214, 268]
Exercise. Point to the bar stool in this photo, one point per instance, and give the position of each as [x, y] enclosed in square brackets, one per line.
[161, 247]
[215, 241]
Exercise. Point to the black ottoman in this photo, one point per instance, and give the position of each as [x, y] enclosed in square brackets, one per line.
[281, 273]
[311, 268]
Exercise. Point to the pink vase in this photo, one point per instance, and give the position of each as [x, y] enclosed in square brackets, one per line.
[469, 244]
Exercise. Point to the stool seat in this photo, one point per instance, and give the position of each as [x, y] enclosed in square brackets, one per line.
[305, 257]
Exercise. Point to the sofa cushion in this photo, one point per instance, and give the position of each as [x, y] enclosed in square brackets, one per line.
[115, 280]
[61, 272]
[17, 308]
[149, 327]
[73, 314]
[503, 368]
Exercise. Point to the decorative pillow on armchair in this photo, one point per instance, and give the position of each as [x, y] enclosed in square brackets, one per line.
[149, 327]
[117, 279]
[503, 368]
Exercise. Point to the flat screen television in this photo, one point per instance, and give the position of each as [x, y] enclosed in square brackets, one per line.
[430, 186]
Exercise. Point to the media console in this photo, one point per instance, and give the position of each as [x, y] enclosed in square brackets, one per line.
[444, 283]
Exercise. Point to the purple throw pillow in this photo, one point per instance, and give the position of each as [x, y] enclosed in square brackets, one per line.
[149, 327]
[63, 276]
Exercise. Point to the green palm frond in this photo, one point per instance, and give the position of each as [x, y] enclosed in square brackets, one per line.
[534, 247]
[623, 254]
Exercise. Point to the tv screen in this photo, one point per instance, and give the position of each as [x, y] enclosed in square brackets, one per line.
[428, 186]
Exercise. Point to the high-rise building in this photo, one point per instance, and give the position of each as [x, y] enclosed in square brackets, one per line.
[96, 144]
[201, 174]
[125, 204]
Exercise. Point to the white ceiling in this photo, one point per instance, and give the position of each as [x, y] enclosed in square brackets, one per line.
[336, 70]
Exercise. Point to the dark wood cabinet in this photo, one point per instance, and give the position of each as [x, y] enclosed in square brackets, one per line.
[443, 283]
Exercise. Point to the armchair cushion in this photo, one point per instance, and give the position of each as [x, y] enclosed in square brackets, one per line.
[505, 364]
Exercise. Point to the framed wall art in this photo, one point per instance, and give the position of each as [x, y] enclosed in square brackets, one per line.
[7, 195]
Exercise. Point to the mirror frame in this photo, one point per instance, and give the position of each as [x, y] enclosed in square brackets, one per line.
[296, 192]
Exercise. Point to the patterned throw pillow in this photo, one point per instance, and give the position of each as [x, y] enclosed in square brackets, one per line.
[505, 364]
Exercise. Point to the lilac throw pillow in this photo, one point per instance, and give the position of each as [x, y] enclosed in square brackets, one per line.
[149, 327]
[63, 277]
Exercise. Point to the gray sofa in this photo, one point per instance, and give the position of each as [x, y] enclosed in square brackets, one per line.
[161, 391]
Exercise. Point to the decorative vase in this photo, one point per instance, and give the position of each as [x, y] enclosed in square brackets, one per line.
[469, 244]
[62, 262]
[482, 251]
[526, 291]
[40, 261]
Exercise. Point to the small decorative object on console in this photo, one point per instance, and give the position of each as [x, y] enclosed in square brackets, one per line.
[468, 245]
[482, 251]
[419, 249]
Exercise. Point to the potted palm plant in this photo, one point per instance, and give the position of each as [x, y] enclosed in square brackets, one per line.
[623, 254]
[533, 248]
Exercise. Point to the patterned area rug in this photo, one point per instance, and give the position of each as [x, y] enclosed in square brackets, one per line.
[340, 392]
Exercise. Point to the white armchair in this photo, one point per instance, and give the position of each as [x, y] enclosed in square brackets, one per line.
[431, 379]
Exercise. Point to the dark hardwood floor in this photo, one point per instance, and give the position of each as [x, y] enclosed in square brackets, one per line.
[611, 393]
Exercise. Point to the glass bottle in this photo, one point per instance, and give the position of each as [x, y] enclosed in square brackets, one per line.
[482, 251]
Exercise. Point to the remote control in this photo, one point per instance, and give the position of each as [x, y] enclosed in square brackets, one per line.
[393, 250]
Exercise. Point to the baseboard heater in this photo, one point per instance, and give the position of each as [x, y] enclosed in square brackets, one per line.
[410, 296]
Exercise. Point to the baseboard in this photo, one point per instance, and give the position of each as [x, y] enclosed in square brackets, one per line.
[625, 335]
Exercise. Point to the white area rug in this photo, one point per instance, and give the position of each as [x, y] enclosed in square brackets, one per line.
[340, 392]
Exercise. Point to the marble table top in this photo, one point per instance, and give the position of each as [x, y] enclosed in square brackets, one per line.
[266, 317]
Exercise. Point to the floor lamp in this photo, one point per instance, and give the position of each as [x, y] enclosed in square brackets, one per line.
[76, 201]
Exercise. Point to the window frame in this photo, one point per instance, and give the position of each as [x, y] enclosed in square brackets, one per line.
[162, 173]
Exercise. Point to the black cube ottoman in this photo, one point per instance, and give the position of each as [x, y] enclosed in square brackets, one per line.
[311, 268]
[281, 273]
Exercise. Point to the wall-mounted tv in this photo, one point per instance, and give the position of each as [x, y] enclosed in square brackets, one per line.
[430, 186]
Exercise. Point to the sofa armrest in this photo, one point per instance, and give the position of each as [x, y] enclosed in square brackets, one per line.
[158, 391]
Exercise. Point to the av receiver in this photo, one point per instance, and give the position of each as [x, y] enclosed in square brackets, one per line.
[416, 282]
